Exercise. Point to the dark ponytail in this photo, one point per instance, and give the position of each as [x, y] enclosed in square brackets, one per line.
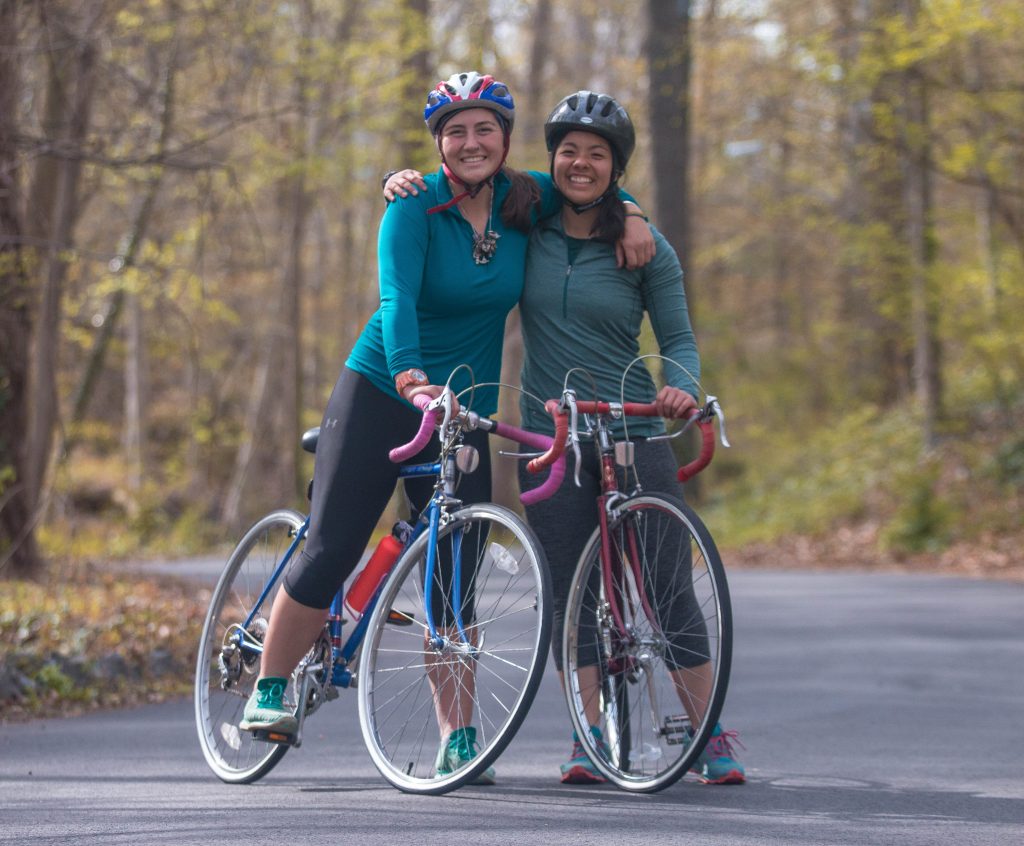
[522, 205]
[610, 224]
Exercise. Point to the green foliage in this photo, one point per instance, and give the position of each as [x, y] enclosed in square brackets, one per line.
[1007, 466]
[804, 482]
[55, 682]
[923, 519]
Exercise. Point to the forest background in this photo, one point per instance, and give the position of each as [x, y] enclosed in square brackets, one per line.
[189, 197]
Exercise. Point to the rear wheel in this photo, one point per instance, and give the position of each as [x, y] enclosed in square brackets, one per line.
[485, 675]
[228, 663]
[647, 650]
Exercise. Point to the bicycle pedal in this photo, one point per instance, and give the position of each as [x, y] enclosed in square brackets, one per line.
[271, 736]
[401, 618]
[675, 730]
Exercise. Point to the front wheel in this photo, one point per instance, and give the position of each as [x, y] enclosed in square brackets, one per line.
[485, 676]
[228, 663]
[647, 645]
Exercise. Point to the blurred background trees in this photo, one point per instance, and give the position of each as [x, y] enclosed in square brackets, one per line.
[190, 190]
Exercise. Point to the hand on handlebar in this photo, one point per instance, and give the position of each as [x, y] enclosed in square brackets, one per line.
[433, 392]
[674, 403]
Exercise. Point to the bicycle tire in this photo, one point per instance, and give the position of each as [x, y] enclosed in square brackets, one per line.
[681, 636]
[512, 631]
[236, 756]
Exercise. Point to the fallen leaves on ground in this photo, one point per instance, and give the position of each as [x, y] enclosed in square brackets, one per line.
[89, 639]
[857, 547]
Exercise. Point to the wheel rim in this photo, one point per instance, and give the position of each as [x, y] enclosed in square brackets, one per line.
[235, 756]
[497, 671]
[677, 646]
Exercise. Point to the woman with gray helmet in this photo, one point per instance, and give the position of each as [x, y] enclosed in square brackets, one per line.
[579, 309]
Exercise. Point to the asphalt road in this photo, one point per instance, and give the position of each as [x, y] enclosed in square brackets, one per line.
[875, 709]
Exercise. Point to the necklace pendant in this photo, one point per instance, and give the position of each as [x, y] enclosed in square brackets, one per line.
[485, 246]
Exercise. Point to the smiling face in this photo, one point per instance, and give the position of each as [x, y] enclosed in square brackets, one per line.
[472, 142]
[582, 166]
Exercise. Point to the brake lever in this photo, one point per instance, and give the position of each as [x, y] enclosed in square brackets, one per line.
[569, 399]
[714, 407]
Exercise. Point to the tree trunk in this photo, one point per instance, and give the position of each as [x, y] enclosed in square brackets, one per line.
[668, 69]
[53, 211]
[133, 433]
[537, 96]
[277, 390]
[505, 478]
[127, 255]
[873, 367]
[231, 510]
[668, 72]
[921, 241]
[418, 77]
[985, 205]
[19, 556]
[287, 355]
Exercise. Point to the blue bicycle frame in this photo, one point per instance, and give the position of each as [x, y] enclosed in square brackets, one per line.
[430, 521]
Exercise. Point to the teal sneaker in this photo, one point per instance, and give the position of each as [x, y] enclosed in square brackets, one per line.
[717, 764]
[266, 711]
[458, 751]
[579, 769]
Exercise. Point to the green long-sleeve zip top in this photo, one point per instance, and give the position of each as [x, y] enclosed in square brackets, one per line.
[588, 314]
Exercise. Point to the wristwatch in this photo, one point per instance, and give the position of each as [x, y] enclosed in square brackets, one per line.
[415, 376]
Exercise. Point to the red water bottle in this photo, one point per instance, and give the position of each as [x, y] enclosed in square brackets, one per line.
[366, 583]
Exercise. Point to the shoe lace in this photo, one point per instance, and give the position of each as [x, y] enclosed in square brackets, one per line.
[464, 747]
[272, 694]
[720, 746]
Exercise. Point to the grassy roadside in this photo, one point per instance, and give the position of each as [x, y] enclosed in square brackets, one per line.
[91, 639]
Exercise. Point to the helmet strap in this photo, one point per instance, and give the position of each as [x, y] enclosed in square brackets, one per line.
[471, 190]
[612, 186]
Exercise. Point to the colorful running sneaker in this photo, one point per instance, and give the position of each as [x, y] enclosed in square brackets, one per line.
[460, 749]
[579, 769]
[266, 711]
[717, 764]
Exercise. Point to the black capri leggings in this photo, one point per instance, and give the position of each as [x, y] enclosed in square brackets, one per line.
[353, 479]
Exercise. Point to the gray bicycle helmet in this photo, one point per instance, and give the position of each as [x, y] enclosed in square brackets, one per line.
[592, 112]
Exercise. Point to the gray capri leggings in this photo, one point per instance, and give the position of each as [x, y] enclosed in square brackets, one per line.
[565, 522]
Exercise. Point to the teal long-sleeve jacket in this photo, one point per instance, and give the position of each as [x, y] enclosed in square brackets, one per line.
[438, 308]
